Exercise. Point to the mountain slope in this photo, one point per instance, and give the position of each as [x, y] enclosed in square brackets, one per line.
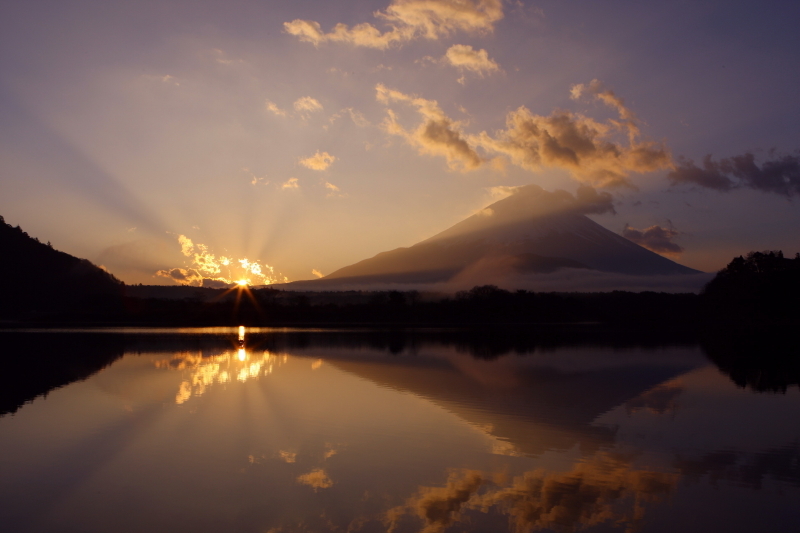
[36, 280]
[531, 231]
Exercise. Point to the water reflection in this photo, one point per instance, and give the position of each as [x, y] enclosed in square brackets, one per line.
[600, 490]
[284, 431]
[204, 371]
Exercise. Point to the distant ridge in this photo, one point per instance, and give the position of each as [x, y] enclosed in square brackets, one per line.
[37, 281]
[531, 231]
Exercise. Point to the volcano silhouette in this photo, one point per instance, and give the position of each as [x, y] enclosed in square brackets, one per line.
[531, 231]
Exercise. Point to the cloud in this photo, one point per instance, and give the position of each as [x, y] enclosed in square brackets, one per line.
[590, 150]
[273, 108]
[590, 202]
[407, 20]
[317, 479]
[317, 273]
[182, 276]
[437, 134]
[608, 97]
[598, 490]
[502, 191]
[318, 161]
[287, 456]
[585, 201]
[208, 269]
[356, 116]
[440, 507]
[307, 104]
[654, 238]
[581, 145]
[333, 190]
[463, 57]
[780, 175]
[291, 183]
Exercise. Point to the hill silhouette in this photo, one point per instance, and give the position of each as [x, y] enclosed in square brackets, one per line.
[760, 287]
[37, 281]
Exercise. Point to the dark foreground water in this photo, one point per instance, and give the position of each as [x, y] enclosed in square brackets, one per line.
[302, 431]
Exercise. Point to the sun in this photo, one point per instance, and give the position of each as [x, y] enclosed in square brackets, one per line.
[243, 282]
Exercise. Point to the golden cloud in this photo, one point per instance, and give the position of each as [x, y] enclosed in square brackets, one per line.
[307, 104]
[502, 191]
[408, 20]
[291, 183]
[356, 116]
[208, 269]
[273, 108]
[318, 161]
[464, 57]
[587, 148]
[317, 479]
[437, 134]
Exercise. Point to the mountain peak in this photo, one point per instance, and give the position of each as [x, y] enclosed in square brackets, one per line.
[532, 231]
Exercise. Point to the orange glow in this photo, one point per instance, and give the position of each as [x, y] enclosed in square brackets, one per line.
[201, 372]
[206, 268]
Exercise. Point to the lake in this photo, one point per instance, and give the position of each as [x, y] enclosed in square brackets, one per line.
[275, 430]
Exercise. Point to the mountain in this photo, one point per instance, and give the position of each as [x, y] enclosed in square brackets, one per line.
[531, 231]
[37, 281]
[527, 401]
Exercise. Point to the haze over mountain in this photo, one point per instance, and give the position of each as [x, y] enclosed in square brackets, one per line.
[532, 234]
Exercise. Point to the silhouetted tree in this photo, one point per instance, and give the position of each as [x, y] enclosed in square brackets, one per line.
[762, 286]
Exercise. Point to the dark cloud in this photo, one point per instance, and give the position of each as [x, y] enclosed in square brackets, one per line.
[654, 238]
[182, 276]
[780, 175]
[590, 202]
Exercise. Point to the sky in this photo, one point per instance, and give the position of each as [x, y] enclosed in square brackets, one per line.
[159, 139]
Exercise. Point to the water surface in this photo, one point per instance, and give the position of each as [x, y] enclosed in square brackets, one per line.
[285, 431]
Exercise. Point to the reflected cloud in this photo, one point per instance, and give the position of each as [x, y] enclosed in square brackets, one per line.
[439, 507]
[317, 479]
[602, 490]
[205, 371]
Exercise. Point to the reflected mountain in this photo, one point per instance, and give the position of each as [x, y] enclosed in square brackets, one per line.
[37, 362]
[534, 403]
